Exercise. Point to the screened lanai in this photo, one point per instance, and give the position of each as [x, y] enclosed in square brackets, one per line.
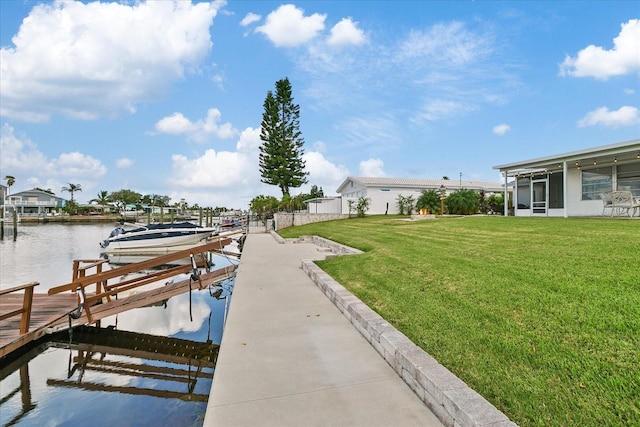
[571, 184]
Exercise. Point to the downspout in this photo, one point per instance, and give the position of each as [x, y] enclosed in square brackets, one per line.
[565, 169]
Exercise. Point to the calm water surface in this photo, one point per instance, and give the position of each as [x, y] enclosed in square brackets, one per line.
[69, 382]
[45, 252]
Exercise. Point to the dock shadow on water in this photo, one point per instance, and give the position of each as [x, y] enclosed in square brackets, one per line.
[145, 367]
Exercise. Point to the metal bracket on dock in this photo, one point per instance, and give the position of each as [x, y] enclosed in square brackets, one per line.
[78, 311]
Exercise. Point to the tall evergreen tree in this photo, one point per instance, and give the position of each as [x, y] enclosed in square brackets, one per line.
[281, 151]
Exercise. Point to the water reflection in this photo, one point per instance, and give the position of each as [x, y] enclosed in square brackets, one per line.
[160, 374]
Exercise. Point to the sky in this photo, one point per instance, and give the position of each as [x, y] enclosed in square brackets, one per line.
[166, 97]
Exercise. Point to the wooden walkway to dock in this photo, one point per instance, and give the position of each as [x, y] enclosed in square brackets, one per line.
[45, 311]
[49, 312]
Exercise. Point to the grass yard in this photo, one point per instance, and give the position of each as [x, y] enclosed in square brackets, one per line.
[539, 315]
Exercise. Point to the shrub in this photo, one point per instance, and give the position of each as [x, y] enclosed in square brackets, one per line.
[363, 206]
[463, 202]
[429, 200]
[495, 204]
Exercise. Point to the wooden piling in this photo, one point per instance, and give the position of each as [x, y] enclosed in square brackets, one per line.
[15, 225]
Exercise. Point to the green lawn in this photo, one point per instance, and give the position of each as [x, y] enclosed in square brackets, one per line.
[539, 315]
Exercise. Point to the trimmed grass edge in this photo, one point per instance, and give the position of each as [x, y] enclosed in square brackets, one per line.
[450, 399]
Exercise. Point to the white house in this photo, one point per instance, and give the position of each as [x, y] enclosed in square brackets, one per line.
[324, 205]
[383, 192]
[570, 184]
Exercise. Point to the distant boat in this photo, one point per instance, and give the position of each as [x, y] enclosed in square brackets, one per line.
[157, 235]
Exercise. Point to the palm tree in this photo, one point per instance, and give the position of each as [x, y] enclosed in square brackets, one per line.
[102, 199]
[72, 188]
[10, 181]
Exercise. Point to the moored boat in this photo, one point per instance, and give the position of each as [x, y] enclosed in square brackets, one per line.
[156, 235]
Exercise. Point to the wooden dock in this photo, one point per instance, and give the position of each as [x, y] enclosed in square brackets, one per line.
[45, 311]
[49, 313]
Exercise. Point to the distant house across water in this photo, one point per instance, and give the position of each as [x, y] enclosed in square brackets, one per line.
[33, 203]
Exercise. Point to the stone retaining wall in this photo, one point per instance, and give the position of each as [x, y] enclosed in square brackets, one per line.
[285, 220]
[448, 397]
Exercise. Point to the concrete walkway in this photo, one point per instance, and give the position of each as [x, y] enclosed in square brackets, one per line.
[290, 358]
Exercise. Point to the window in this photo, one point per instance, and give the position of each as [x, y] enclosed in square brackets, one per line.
[629, 178]
[524, 194]
[596, 181]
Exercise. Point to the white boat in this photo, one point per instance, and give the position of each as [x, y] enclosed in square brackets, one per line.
[157, 235]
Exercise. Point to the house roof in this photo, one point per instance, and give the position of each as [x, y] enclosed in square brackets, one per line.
[36, 191]
[420, 184]
[602, 155]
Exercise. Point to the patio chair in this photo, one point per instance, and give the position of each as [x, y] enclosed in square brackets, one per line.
[623, 201]
[606, 202]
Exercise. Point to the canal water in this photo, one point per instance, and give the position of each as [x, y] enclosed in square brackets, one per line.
[146, 367]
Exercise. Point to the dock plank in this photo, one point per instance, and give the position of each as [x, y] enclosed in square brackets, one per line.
[46, 309]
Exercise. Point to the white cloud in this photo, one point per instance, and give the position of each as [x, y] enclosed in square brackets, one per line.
[501, 129]
[198, 131]
[175, 124]
[223, 169]
[625, 116]
[124, 163]
[446, 43]
[440, 109]
[370, 132]
[249, 19]
[320, 146]
[20, 156]
[76, 165]
[31, 168]
[372, 168]
[288, 27]
[220, 178]
[323, 173]
[346, 32]
[600, 63]
[100, 59]
[442, 71]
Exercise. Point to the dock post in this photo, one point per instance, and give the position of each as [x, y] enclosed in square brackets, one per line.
[2, 229]
[26, 310]
[15, 225]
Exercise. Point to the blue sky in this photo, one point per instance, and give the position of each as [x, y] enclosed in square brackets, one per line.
[165, 97]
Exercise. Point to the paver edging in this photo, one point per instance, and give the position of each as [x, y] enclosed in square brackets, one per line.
[448, 397]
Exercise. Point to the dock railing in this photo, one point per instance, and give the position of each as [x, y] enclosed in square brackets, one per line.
[27, 303]
[106, 290]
